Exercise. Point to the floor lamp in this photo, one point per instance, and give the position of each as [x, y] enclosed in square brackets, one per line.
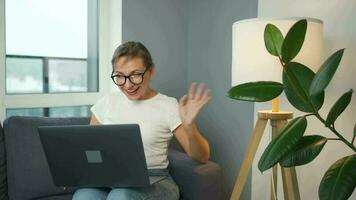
[251, 62]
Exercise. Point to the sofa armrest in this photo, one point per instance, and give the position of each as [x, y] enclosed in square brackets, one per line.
[195, 180]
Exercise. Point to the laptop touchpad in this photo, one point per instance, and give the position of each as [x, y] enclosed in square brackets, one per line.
[94, 156]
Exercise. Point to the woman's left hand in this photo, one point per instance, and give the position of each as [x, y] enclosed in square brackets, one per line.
[191, 103]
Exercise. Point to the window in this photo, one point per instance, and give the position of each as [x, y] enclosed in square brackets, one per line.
[68, 111]
[37, 112]
[24, 74]
[47, 46]
[49, 55]
[68, 75]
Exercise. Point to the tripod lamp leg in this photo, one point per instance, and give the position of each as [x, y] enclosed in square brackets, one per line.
[250, 154]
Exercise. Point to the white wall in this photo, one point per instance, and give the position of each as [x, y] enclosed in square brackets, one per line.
[111, 36]
[339, 32]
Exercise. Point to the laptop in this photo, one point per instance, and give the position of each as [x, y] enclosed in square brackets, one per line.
[96, 156]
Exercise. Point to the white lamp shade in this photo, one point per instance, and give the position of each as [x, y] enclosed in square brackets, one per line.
[252, 62]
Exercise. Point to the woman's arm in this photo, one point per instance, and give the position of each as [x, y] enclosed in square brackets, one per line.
[188, 134]
[194, 144]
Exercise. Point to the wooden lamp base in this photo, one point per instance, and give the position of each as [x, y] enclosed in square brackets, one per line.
[289, 177]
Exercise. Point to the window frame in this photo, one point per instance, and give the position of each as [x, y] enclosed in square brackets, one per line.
[109, 36]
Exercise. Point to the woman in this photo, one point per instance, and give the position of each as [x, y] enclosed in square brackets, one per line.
[159, 116]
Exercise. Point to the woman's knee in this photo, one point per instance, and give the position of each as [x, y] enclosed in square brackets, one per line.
[90, 194]
[149, 193]
[124, 193]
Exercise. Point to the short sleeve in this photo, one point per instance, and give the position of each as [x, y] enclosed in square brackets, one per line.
[174, 119]
[99, 109]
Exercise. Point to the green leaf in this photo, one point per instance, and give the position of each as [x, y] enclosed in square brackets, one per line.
[325, 73]
[339, 181]
[297, 79]
[273, 39]
[307, 148]
[256, 91]
[283, 143]
[294, 40]
[339, 107]
[355, 130]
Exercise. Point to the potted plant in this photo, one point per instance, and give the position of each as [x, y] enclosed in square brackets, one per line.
[305, 90]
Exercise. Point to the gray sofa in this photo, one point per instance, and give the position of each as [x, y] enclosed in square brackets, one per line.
[24, 172]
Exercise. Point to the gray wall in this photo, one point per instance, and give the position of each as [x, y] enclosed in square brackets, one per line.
[191, 41]
[161, 25]
[226, 123]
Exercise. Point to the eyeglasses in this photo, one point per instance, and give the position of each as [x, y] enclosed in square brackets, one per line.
[135, 78]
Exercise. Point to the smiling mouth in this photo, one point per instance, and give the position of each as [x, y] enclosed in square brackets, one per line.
[132, 92]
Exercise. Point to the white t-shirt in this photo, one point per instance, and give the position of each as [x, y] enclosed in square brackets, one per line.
[157, 118]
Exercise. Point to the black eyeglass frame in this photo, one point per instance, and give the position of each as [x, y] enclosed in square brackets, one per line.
[127, 77]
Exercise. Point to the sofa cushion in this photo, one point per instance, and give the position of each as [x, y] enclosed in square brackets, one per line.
[27, 169]
[196, 181]
[3, 181]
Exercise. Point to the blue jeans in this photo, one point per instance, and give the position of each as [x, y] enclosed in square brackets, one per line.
[165, 189]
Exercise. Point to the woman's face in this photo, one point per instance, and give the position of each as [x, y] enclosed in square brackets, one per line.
[126, 66]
